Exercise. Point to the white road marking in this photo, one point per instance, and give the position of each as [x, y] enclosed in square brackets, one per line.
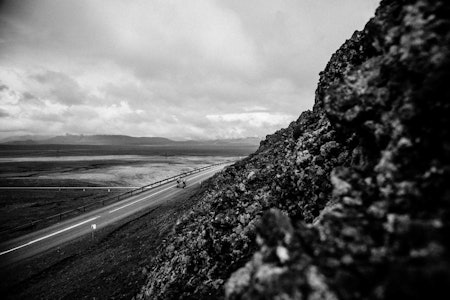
[49, 235]
[92, 219]
[174, 192]
[67, 187]
[131, 203]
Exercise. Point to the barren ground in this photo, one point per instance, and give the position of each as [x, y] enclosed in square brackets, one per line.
[112, 266]
[18, 207]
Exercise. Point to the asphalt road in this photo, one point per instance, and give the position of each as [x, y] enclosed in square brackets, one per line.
[37, 242]
[68, 187]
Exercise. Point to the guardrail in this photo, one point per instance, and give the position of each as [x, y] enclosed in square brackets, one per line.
[110, 200]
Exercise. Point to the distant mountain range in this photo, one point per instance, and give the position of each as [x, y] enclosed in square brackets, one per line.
[70, 139]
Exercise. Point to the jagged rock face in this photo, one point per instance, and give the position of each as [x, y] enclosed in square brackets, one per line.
[351, 200]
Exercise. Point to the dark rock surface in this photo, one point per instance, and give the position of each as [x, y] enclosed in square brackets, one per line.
[351, 200]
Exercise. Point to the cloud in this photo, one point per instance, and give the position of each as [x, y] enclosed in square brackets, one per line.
[3, 113]
[248, 124]
[197, 69]
[59, 87]
[252, 119]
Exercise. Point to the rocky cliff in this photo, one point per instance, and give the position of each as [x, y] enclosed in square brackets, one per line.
[351, 200]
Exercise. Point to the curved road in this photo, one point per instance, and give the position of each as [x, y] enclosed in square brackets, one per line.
[37, 242]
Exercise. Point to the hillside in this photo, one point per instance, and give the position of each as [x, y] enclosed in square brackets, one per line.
[351, 201]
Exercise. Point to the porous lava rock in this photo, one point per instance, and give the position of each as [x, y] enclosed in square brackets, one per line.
[351, 201]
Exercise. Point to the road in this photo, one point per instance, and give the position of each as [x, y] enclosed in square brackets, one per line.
[69, 187]
[40, 241]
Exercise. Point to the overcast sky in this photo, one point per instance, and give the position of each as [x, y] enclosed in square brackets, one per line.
[179, 69]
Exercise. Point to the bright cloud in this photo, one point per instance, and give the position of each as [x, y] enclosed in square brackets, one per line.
[256, 119]
[181, 69]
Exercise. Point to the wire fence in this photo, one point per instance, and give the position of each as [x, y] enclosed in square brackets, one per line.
[107, 201]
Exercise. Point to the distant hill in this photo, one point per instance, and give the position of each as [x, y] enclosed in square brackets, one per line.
[71, 139]
[22, 142]
[254, 141]
[106, 140]
[25, 139]
[248, 140]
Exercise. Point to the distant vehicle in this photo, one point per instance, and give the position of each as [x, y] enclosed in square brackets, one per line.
[181, 183]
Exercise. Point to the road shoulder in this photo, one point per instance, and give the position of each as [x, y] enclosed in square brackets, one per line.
[113, 265]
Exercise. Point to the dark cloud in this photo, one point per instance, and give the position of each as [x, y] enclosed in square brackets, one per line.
[28, 99]
[3, 113]
[60, 87]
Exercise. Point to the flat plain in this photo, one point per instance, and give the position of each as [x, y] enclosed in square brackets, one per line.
[112, 169]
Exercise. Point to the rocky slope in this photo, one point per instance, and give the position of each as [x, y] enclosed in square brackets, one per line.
[351, 200]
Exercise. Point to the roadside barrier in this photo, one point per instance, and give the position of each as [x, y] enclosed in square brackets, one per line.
[109, 200]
